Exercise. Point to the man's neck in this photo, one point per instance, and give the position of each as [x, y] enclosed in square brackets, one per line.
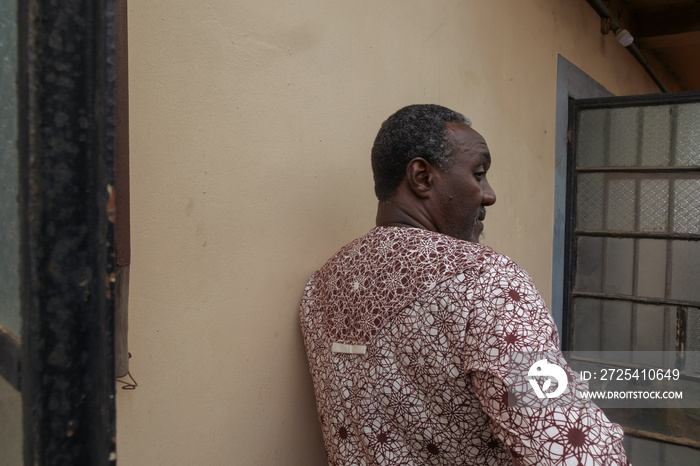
[396, 214]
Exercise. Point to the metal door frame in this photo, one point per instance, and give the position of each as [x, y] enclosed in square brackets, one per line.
[63, 364]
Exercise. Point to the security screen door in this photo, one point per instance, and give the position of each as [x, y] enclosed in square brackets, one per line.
[633, 240]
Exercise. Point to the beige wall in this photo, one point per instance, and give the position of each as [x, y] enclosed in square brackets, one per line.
[251, 125]
[10, 425]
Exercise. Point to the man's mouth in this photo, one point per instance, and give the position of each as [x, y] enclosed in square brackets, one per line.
[482, 215]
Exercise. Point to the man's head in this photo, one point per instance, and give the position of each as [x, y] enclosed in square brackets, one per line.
[430, 172]
[413, 131]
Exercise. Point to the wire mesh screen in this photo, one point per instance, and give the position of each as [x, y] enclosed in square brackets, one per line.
[639, 202]
[658, 136]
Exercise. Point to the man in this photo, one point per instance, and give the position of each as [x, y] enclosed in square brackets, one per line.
[408, 329]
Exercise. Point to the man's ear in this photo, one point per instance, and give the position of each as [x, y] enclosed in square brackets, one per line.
[420, 176]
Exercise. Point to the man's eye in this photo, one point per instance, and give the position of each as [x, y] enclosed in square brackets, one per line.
[480, 175]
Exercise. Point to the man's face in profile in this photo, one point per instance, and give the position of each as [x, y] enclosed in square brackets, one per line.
[462, 190]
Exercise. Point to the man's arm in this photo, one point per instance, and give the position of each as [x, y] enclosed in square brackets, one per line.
[510, 320]
[555, 436]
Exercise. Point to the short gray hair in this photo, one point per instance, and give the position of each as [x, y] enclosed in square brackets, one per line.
[413, 131]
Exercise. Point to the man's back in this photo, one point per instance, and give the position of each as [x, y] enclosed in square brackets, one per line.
[406, 330]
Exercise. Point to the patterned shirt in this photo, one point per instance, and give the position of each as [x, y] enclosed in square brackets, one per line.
[406, 332]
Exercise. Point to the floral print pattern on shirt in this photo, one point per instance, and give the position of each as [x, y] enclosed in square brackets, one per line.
[438, 317]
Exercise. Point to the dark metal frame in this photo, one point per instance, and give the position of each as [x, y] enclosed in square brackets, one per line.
[64, 362]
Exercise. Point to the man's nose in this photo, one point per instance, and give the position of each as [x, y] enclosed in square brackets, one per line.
[489, 197]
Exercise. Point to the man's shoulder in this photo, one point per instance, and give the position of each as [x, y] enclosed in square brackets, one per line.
[382, 243]
[408, 251]
[372, 278]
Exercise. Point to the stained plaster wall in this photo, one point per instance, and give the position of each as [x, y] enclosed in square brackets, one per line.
[251, 126]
